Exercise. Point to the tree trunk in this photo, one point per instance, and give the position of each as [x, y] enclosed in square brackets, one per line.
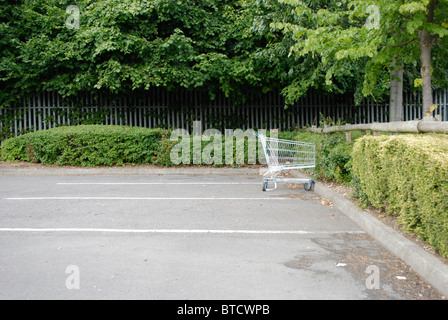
[396, 93]
[426, 44]
[426, 41]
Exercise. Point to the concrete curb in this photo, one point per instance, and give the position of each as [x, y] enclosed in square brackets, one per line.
[429, 267]
[126, 171]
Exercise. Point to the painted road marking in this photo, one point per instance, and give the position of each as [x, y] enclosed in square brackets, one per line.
[138, 198]
[196, 231]
[154, 183]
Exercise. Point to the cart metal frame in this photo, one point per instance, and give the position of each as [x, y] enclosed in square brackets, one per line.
[285, 155]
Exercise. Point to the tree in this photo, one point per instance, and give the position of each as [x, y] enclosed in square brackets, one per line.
[379, 34]
[427, 21]
[122, 46]
[236, 47]
[13, 34]
[297, 73]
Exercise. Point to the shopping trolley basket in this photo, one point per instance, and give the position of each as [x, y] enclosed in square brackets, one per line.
[284, 155]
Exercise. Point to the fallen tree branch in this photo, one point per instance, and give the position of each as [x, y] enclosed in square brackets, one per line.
[416, 126]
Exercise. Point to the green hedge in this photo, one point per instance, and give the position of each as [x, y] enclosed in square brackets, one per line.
[85, 146]
[98, 145]
[407, 176]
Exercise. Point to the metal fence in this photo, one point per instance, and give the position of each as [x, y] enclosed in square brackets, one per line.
[168, 109]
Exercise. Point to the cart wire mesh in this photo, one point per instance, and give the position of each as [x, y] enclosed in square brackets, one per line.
[284, 155]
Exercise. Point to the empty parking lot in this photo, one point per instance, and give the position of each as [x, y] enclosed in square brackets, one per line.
[186, 237]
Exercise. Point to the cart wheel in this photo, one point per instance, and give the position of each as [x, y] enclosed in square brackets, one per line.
[265, 185]
[308, 186]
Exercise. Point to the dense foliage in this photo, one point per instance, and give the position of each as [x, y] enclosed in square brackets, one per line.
[122, 46]
[86, 146]
[97, 145]
[333, 155]
[236, 47]
[100, 145]
[375, 37]
[405, 175]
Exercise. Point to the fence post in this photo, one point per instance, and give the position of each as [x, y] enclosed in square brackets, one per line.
[348, 136]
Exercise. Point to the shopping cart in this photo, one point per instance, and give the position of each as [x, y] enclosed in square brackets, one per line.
[284, 155]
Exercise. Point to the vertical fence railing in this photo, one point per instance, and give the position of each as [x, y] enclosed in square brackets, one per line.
[161, 108]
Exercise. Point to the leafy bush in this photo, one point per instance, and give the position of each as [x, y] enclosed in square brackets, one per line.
[333, 155]
[88, 146]
[98, 145]
[221, 150]
[406, 176]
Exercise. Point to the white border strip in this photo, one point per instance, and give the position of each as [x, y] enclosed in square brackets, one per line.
[152, 183]
[196, 231]
[138, 198]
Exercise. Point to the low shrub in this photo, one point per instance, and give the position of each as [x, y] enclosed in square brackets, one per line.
[90, 145]
[98, 145]
[406, 176]
[333, 155]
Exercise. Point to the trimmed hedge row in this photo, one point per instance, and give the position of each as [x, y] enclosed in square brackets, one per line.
[98, 145]
[88, 145]
[407, 176]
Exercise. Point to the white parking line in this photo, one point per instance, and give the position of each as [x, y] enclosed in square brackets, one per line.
[138, 198]
[196, 231]
[154, 183]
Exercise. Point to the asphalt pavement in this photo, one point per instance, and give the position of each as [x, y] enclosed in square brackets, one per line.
[174, 235]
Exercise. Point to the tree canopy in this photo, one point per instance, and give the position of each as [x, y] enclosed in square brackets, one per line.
[125, 45]
[236, 47]
[379, 36]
